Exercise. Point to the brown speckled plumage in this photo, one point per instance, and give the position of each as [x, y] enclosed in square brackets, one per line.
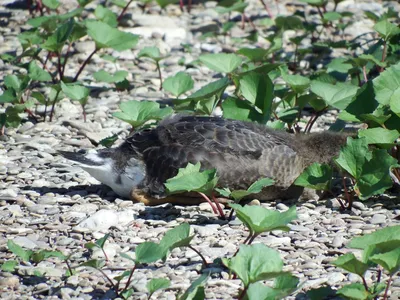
[241, 152]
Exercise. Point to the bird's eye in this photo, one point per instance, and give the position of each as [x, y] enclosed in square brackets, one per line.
[82, 151]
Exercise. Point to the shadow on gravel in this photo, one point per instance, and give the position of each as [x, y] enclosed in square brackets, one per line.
[100, 190]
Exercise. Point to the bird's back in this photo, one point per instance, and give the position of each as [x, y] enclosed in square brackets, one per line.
[241, 152]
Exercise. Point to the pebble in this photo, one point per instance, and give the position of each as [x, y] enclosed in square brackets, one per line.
[103, 219]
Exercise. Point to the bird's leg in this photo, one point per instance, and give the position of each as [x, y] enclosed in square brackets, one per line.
[141, 196]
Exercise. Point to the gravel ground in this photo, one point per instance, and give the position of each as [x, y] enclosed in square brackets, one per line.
[48, 203]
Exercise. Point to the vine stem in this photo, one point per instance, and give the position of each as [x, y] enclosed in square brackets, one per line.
[83, 65]
[385, 296]
[52, 106]
[108, 278]
[210, 202]
[220, 211]
[123, 11]
[364, 283]
[243, 293]
[129, 278]
[199, 254]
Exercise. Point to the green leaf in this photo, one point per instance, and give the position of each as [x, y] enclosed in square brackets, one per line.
[254, 54]
[110, 78]
[151, 52]
[75, 92]
[386, 29]
[364, 103]
[338, 96]
[8, 96]
[221, 62]
[351, 264]
[332, 16]
[106, 36]
[387, 85]
[25, 255]
[109, 141]
[164, 3]
[284, 285]
[97, 264]
[178, 84]
[191, 178]
[258, 90]
[325, 292]
[379, 135]
[297, 83]
[391, 233]
[315, 2]
[149, 252]
[196, 289]
[9, 266]
[259, 219]
[257, 186]
[136, 113]
[237, 6]
[289, 23]
[105, 15]
[254, 263]
[37, 73]
[317, 176]
[57, 40]
[237, 109]
[177, 237]
[52, 4]
[354, 291]
[375, 177]
[353, 156]
[390, 261]
[12, 82]
[156, 284]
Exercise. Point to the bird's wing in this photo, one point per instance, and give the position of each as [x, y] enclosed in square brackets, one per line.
[238, 150]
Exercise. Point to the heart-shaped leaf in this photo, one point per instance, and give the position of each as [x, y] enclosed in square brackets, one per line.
[254, 263]
[106, 36]
[191, 178]
[259, 219]
[137, 113]
[221, 62]
[178, 84]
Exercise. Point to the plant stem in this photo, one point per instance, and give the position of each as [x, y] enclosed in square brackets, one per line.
[385, 296]
[221, 212]
[65, 61]
[244, 243]
[83, 65]
[199, 254]
[108, 278]
[130, 278]
[252, 239]
[364, 283]
[159, 73]
[243, 293]
[52, 106]
[365, 74]
[123, 11]
[266, 9]
[209, 201]
[69, 267]
[59, 66]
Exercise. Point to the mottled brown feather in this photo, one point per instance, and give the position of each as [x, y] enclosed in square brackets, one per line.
[241, 152]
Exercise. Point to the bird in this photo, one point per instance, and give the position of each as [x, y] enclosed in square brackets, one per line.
[241, 152]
